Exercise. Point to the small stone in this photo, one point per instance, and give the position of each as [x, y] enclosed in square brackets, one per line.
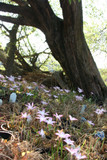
[83, 109]
[1, 102]
[12, 98]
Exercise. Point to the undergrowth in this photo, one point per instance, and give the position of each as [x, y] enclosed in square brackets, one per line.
[49, 124]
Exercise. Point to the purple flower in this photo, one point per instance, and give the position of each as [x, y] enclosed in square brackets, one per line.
[79, 98]
[11, 78]
[42, 118]
[46, 91]
[29, 94]
[30, 106]
[72, 118]
[24, 115]
[61, 134]
[29, 118]
[80, 90]
[55, 96]
[49, 121]
[79, 156]
[68, 141]
[67, 90]
[100, 111]
[42, 113]
[57, 116]
[1, 76]
[90, 122]
[56, 88]
[29, 87]
[44, 103]
[73, 151]
[42, 133]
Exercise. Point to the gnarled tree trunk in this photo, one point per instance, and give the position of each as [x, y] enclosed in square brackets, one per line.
[66, 40]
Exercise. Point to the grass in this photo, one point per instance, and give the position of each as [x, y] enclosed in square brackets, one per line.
[28, 143]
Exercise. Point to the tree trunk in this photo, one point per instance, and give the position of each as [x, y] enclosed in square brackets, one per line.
[11, 50]
[66, 40]
[69, 47]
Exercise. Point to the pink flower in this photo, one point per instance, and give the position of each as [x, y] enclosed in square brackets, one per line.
[49, 121]
[80, 90]
[42, 118]
[55, 96]
[72, 151]
[79, 98]
[67, 90]
[57, 116]
[24, 115]
[29, 87]
[42, 133]
[30, 106]
[61, 134]
[79, 156]
[47, 91]
[29, 94]
[56, 88]
[90, 122]
[29, 118]
[72, 118]
[11, 78]
[68, 141]
[42, 113]
[100, 111]
[44, 103]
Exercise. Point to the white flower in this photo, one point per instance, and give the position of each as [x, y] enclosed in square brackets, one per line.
[42, 133]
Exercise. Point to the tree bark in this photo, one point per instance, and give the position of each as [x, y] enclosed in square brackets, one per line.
[66, 40]
[11, 50]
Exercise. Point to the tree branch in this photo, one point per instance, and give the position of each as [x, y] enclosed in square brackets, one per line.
[2, 25]
[14, 9]
[20, 2]
[13, 20]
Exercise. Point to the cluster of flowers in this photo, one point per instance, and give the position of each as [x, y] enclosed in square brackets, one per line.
[43, 116]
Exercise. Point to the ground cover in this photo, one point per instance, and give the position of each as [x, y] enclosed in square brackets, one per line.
[49, 123]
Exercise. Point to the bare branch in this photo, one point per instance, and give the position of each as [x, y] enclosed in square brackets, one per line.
[2, 25]
[13, 20]
[20, 2]
[14, 9]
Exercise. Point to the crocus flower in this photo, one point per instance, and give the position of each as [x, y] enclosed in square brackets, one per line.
[56, 88]
[49, 121]
[29, 87]
[43, 113]
[80, 90]
[42, 133]
[11, 78]
[100, 111]
[67, 90]
[73, 151]
[24, 115]
[79, 98]
[42, 118]
[29, 94]
[90, 122]
[68, 141]
[30, 106]
[55, 96]
[72, 118]
[44, 103]
[57, 116]
[61, 134]
[47, 91]
[79, 156]
[29, 118]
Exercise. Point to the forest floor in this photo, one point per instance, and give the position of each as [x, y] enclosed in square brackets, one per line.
[49, 123]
